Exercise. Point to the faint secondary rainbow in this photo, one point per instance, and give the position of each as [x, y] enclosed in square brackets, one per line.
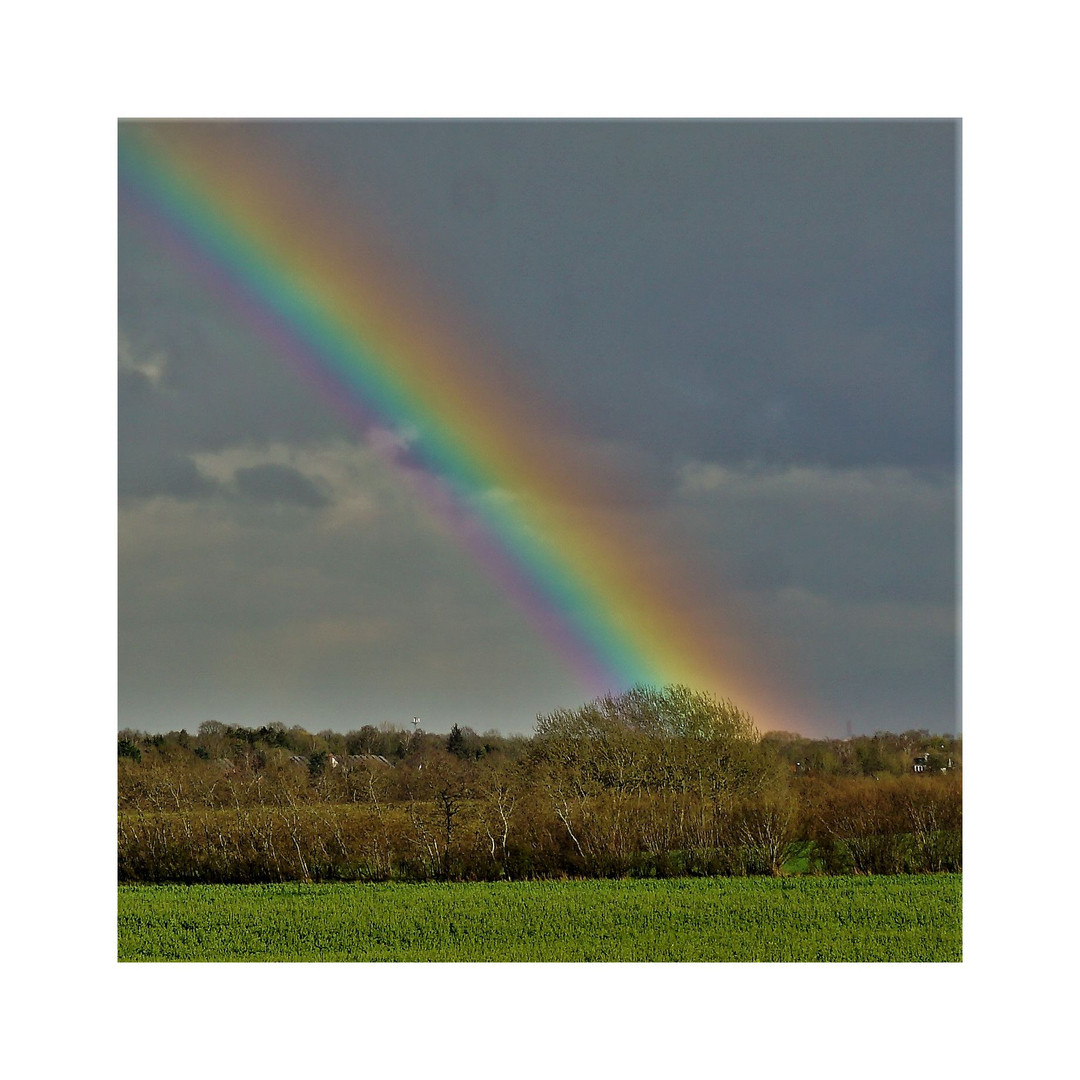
[480, 461]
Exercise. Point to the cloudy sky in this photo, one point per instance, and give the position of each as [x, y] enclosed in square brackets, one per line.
[746, 331]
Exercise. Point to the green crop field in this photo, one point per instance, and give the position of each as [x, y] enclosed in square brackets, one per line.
[895, 918]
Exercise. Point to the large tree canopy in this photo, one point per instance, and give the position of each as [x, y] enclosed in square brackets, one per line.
[673, 711]
[648, 738]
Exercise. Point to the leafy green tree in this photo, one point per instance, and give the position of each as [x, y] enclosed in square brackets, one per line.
[127, 749]
[455, 742]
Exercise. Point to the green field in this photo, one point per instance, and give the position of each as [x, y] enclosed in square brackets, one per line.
[895, 918]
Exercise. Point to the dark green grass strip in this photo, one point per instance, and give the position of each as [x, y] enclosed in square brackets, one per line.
[914, 918]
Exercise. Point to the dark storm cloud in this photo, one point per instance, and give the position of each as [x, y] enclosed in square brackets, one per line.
[278, 484]
[768, 291]
[775, 292]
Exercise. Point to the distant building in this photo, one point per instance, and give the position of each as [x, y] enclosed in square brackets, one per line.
[926, 763]
[369, 759]
[333, 761]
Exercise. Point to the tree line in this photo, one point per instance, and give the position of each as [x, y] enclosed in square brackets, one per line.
[653, 782]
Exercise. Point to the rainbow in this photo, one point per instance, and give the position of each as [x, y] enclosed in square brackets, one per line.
[266, 238]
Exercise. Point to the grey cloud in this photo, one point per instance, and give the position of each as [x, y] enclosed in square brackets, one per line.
[315, 620]
[164, 420]
[681, 279]
[868, 535]
[222, 383]
[148, 472]
[873, 665]
[777, 292]
[279, 484]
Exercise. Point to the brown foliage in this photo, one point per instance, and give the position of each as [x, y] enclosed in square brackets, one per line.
[651, 783]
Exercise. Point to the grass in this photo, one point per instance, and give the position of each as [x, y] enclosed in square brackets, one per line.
[895, 918]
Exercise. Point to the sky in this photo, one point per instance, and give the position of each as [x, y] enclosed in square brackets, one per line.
[709, 369]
